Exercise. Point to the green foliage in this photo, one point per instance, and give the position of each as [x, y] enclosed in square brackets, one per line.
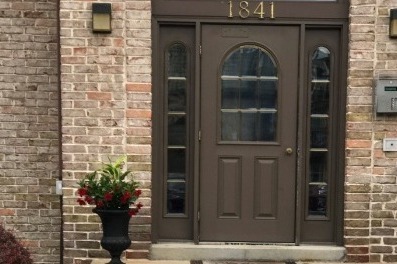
[110, 187]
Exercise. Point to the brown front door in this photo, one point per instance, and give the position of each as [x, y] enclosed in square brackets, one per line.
[249, 88]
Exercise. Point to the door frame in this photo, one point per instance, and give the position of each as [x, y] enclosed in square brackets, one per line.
[342, 25]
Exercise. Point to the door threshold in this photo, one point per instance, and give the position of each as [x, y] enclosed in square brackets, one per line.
[218, 251]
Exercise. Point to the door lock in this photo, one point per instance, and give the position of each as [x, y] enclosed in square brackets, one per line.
[288, 151]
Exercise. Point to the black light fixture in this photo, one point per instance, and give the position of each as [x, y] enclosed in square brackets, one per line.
[393, 23]
[101, 17]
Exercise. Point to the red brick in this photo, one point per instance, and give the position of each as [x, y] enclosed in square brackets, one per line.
[357, 250]
[137, 254]
[118, 42]
[139, 113]
[357, 258]
[4, 212]
[139, 87]
[99, 96]
[352, 143]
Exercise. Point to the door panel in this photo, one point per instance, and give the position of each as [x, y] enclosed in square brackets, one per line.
[265, 193]
[229, 182]
[248, 126]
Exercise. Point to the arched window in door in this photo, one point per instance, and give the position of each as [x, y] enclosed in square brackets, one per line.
[249, 82]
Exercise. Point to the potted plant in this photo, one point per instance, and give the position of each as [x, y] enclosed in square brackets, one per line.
[114, 194]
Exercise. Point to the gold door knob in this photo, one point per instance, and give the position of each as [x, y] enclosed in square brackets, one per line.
[288, 151]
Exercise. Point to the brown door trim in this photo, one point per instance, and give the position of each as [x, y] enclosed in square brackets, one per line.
[163, 217]
[157, 158]
[282, 9]
[336, 167]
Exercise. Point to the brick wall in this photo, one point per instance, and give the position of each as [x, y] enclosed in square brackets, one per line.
[371, 191]
[106, 112]
[29, 125]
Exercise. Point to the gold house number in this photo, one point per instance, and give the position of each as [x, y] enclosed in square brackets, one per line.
[244, 10]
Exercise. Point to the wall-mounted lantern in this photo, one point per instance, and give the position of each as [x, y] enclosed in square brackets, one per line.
[101, 17]
[393, 23]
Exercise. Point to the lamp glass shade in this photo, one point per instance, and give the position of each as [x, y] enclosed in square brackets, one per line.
[101, 23]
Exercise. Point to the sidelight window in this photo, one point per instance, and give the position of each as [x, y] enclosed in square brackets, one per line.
[319, 133]
[249, 85]
[176, 118]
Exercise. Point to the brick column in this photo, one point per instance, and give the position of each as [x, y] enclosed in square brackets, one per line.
[359, 145]
[371, 192]
[106, 104]
[29, 125]
[384, 190]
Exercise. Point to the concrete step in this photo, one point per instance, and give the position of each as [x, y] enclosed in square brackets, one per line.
[283, 253]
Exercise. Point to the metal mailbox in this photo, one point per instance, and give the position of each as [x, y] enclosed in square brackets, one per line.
[386, 96]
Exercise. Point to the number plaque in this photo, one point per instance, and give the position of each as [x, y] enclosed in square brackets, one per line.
[244, 8]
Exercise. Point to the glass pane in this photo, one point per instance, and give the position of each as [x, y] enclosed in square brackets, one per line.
[230, 126]
[320, 98]
[248, 127]
[318, 166]
[176, 163]
[230, 94]
[176, 95]
[266, 66]
[268, 126]
[318, 199]
[231, 67]
[246, 86]
[176, 192]
[319, 132]
[176, 130]
[249, 64]
[177, 61]
[268, 94]
[248, 94]
[321, 64]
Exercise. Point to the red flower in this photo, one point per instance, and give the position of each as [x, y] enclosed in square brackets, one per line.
[125, 198]
[81, 201]
[139, 205]
[132, 212]
[108, 196]
[99, 204]
[137, 193]
[89, 199]
[82, 191]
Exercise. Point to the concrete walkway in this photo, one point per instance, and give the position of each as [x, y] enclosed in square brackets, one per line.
[145, 261]
[141, 261]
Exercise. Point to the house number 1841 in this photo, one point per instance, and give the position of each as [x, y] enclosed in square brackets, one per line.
[244, 9]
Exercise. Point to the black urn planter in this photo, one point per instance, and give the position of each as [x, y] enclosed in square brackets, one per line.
[115, 232]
